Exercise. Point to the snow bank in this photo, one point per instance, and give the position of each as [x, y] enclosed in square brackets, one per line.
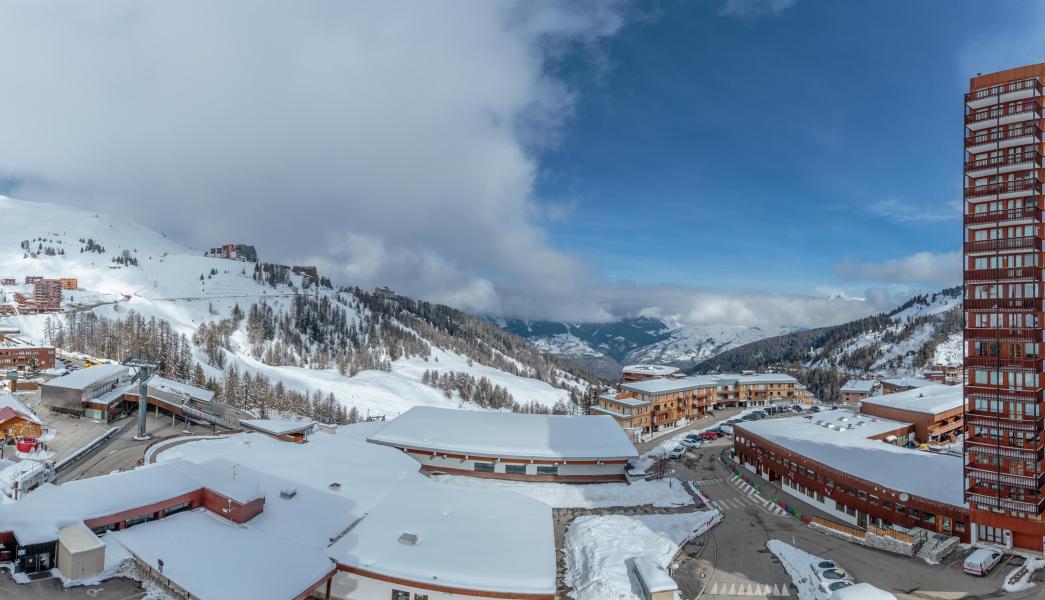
[1019, 579]
[599, 549]
[800, 564]
[598, 495]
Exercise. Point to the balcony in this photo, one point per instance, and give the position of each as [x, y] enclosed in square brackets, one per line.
[1004, 334]
[1005, 92]
[1002, 138]
[1000, 216]
[991, 165]
[976, 275]
[990, 473]
[1002, 115]
[1002, 421]
[1018, 243]
[991, 361]
[1004, 303]
[1007, 189]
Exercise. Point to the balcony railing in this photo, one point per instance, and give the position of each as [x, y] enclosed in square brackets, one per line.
[1001, 273]
[1005, 88]
[990, 162]
[1002, 422]
[1005, 503]
[1003, 303]
[994, 216]
[990, 361]
[1016, 243]
[1003, 334]
[990, 473]
[1001, 134]
[1029, 184]
[1002, 111]
[993, 393]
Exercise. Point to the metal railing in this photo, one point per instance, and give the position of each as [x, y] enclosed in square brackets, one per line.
[1004, 88]
[1001, 134]
[1028, 184]
[991, 216]
[1002, 111]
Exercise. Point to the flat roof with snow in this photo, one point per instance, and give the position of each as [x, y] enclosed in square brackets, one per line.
[668, 386]
[859, 385]
[84, 378]
[908, 382]
[502, 434]
[931, 399]
[655, 370]
[654, 576]
[181, 389]
[846, 446]
[210, 557]
[278, 426]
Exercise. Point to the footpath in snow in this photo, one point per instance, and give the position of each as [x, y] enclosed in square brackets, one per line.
[662, 493]
[600, 549]
[1019, 579]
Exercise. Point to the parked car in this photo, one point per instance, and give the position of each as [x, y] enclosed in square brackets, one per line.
[677, 452]
[814, 409]
[709, 435]
[688, 443]
[726, 429]
[981, 562]
[797, 408]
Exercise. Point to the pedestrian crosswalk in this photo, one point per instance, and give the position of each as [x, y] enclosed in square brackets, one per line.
[707, 482]
[748, 497]
[763, 590]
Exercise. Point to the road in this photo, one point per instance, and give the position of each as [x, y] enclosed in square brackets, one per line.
[117, 588]
[732, 560]
[122, 451]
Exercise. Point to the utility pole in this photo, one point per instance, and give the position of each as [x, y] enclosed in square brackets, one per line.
[145, 371]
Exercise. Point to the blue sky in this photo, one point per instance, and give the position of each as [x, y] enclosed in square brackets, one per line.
[759, 153]
[785, 162]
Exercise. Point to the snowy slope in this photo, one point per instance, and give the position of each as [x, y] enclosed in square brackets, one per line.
[178, 284]
[694, 343]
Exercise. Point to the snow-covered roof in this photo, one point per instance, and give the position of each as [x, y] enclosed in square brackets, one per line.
[212, 558]
[908, 382]
[847, 447]
[15, 404]
[859, 385]
[655, 370]
[932, 399]
[861, 591]
[502, 434]
[181, 389]
[668, 386]
[278, 426]
[624, 401]
[653, 575]
[476, 539]
[78, 538]
[38, 517]
[78, 380]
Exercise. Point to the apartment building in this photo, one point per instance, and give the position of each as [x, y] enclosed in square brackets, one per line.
[653, 404]
[1004, 233]
[24, 358]
[856, 390]
[934, 410]
[902, 384]
[644, 372]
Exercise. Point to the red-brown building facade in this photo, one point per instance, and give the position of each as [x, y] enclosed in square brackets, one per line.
[1003, 250]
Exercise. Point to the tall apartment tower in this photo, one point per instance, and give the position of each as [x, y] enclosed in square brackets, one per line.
[1004, 253]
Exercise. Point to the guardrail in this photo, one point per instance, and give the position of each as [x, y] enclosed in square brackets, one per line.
[75, 456]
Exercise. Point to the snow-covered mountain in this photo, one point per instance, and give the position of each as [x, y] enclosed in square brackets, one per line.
[372, 353]
[925, 330]
[605, 347]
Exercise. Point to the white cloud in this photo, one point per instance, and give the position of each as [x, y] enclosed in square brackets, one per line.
[943, 269]
[752, 9]
[902, 211]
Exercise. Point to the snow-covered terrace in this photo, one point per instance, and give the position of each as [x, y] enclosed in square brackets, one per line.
[279, 426]
[859, 386]
[931, 399]
[507, 435]
[847, 447]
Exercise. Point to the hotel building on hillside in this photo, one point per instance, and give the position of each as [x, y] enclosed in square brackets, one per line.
[655, 404]
[644, 372]
[1003, 250]
[856, 390]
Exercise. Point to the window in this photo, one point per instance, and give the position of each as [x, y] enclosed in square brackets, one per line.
[900, 508]
[176, 509]
[929, 517]
[420, 596]
[515, 469]
[484, 467]
[547, 470]
[874, 499]
[887, 504]
[400, 595]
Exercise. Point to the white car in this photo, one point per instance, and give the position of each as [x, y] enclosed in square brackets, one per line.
[690, 443]
[981, 562]
[677, 452]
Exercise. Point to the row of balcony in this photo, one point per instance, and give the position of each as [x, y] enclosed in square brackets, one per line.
[991, 361]
[1026, 423]
[974, 275]
[1004, 441]
[979, 97]
[1003, 303]
[1004, 334]
[1013, 186]
[1007, 163]
[997, 216]
[1004, 503]
[1003, 111]
[991, 392]
[1001, 134]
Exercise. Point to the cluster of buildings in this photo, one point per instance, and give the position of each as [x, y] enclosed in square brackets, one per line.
[1003, 229]
[864, 467]
[348, 513]
[653, 398]
[46, 296]
[241, 252]
[855, 390]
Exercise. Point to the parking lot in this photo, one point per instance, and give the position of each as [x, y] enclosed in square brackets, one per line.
[117, 588]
